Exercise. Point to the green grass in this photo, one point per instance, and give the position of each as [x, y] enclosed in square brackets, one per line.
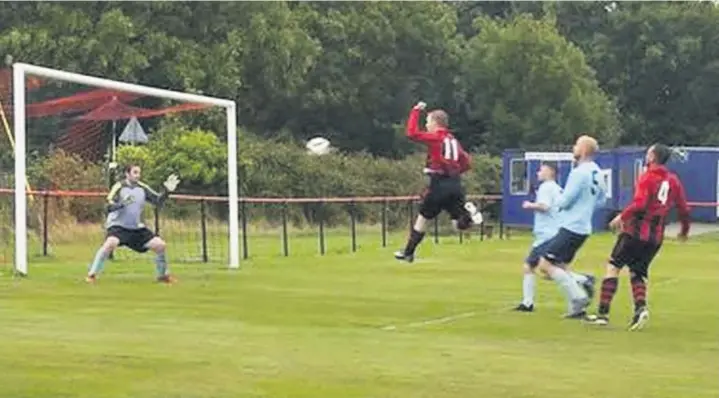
[312, 326]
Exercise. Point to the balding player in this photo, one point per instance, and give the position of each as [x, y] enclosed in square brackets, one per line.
[585, 191]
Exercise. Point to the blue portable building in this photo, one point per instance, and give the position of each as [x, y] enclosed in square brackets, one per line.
[697, 167]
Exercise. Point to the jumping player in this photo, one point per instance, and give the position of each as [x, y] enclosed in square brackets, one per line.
[546, 226]
[584, 192]
[642, 232]
[446, 162]
[126, 201]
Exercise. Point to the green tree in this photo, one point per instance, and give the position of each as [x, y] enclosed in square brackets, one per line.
[526, 85]
[377, 59]
[661, 63]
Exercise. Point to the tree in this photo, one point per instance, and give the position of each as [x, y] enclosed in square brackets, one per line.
[661, 62]
[376, 60]
[526, 85]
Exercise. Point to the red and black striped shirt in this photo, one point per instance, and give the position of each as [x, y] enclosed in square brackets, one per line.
[656, 193]
[445, 155]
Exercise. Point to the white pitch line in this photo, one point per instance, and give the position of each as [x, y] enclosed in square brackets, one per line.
[470, 314]
[434, 321]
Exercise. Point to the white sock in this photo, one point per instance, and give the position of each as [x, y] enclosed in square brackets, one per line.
[529, 286]
[579, 278]
[569, 286]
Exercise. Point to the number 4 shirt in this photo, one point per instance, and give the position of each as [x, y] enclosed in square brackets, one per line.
[656, 192]
[444, 153]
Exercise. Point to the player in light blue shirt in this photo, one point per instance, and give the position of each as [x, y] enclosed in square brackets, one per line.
[585, 191]
[546, 225]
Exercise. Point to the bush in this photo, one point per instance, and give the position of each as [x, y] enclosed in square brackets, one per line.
[268, 168]
[67, 172]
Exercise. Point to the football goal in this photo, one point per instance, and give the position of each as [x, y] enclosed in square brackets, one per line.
[68, 133]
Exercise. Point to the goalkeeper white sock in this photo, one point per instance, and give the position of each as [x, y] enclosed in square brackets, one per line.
[98, 263]
[161, 264]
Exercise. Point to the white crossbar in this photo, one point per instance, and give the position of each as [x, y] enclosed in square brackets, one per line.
[120, 86]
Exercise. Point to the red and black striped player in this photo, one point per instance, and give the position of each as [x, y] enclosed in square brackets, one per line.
[446, 162]
[642, 232]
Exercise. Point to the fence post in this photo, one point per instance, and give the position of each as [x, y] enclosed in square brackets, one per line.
[203, 230]
[482, 206]
[353, 227]
[157, 220]
[285, 245]
[410, 207]
[243, 220]
[321, 217]
[44, 223]
[385, 209]
[501, 221]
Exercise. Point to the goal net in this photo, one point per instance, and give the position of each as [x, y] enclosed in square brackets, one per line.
[65, 139]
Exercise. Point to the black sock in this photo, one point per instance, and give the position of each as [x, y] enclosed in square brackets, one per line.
[414, 238]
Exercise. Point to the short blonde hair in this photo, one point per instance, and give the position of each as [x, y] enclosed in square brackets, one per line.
[440, 117]
[589, 143]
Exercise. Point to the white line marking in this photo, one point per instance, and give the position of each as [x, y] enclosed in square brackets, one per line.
[434, 321]
[490, 311]
[664, 282]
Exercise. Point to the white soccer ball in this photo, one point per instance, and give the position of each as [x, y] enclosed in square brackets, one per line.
[318, 146]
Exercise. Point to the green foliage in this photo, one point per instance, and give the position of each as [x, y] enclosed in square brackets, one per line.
[510, 74]
[349, 71]
[659, 60]
[66, 172]
[528, 84]
[134, 154]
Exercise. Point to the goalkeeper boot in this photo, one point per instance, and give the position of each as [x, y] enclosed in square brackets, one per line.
[166, 279]
[91, 279]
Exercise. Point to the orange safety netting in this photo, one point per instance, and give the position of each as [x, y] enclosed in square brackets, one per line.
[86, 135]
[115, 109]
[79, 102]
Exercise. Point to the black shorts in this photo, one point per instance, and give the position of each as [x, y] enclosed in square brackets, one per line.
[135, 239]
[443, 193]
[634, 253]
[564, 246]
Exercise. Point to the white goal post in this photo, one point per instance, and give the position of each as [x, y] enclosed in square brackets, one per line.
[21, 70]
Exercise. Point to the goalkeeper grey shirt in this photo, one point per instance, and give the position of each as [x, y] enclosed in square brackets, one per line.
[126, 201]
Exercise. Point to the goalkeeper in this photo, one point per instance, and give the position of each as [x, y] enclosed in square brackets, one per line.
[126, 202]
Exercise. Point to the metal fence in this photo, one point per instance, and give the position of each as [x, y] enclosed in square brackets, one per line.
[68, 225]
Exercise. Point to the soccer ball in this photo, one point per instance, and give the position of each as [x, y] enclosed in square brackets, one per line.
[318, 146]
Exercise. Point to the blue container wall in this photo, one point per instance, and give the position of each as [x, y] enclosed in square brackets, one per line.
[606, 160]
[512, 211]
[699, 177]
[628, 167]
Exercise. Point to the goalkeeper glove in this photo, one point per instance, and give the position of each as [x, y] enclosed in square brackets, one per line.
[171, 183]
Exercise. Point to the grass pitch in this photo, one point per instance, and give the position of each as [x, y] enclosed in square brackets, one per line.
[354, 325]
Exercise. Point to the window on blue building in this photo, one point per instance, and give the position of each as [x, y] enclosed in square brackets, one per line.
[518, 178]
